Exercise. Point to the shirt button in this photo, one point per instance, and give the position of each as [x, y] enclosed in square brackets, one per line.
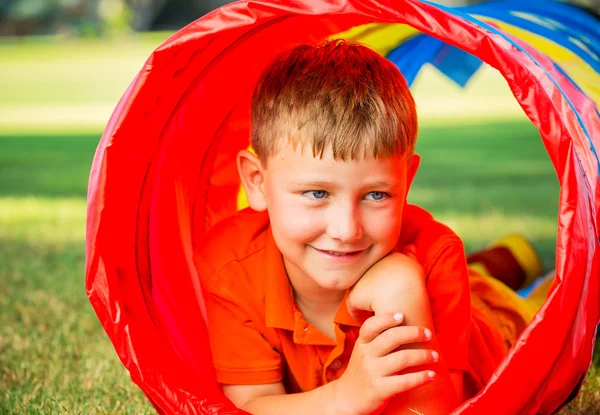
[306, 328]
[336, 364]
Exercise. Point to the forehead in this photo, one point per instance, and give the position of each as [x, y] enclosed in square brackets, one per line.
[299, 163]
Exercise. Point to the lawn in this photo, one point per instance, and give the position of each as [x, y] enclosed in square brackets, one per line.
[484, 175]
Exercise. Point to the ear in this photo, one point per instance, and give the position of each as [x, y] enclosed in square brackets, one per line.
[413, 165]
[252, 176]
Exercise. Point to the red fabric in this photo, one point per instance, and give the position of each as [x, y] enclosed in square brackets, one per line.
[163, 168]
[500, 263]
[258, 334]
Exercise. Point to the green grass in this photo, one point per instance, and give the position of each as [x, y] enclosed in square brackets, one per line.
[55, 358]
[45, 83]
[52, 166]
[54, 355]
[75, 72]
[488, 179]
[49, 84]
[482, 176]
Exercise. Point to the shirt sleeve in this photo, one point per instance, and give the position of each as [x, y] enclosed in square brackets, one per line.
[242, 346]
[449, 297]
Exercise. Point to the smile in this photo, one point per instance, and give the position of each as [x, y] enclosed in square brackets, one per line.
[340, 254]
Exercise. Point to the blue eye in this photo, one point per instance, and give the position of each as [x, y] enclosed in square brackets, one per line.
[377, 196]
[316, 194]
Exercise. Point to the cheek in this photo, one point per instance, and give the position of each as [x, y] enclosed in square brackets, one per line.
[383, 225]
[292, 219]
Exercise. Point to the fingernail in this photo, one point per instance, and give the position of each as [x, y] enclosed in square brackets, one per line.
[435, 355]
[431, 374]
[398, 316]
[427, 334]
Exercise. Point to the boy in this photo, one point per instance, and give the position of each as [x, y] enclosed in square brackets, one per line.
[334, 128]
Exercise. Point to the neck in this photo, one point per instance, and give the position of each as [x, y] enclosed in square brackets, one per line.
[311, 297]
[320, 311]
[323, 305]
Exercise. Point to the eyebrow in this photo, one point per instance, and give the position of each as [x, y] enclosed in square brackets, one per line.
[380, 183]
[313, 184]
[319, 184]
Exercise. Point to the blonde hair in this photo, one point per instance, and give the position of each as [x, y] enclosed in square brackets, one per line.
[335, 95]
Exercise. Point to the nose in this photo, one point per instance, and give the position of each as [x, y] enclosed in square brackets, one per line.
[345, 223]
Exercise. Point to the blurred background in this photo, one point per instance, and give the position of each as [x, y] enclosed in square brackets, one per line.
[87, 18]
[63, 66]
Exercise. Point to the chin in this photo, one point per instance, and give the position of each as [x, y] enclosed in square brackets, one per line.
[338, 282]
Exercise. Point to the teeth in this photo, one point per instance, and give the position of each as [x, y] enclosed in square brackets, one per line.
[336, 253]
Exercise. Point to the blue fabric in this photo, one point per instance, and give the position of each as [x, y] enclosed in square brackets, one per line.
[411, 55]
[560, 23]
[453, 62]
[456, 64]
[479, 9]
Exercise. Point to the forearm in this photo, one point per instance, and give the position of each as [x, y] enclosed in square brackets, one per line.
[397, 284]
[439, 396]
[318, 401]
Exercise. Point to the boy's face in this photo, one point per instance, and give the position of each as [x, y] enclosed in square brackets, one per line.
[333, 219]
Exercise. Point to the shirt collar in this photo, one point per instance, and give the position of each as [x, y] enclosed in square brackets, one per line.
[279, 296]
[280, 309]
[343, 317]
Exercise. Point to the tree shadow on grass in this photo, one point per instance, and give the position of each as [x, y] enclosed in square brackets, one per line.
[48, 165]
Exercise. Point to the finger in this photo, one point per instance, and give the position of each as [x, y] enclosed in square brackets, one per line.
[402, 383]
[404, 359]
[375, 325]
[395, 337]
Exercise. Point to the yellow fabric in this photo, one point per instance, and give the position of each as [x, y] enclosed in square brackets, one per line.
[382, 38]
[538, 295]
[579, 70]
[478, 267]
[242, 198]
[524, 253]
[509, 313]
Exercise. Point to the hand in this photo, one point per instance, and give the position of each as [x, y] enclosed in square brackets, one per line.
[382, 288]
[372, 378]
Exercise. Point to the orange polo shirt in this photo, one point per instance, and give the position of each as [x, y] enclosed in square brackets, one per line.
[258, 334]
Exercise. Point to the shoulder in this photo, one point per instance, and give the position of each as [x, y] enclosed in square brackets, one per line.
[431, 238]
[233, 239]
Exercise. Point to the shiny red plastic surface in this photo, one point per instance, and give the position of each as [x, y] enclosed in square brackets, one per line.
[164, 172]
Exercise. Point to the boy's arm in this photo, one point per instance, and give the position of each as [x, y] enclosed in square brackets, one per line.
[397, 282]
[272, 399]
[383, 292]
[366, 386]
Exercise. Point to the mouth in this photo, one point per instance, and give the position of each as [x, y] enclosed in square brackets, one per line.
[341, 254]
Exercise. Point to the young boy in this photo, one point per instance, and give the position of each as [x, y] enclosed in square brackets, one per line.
[330, 233]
